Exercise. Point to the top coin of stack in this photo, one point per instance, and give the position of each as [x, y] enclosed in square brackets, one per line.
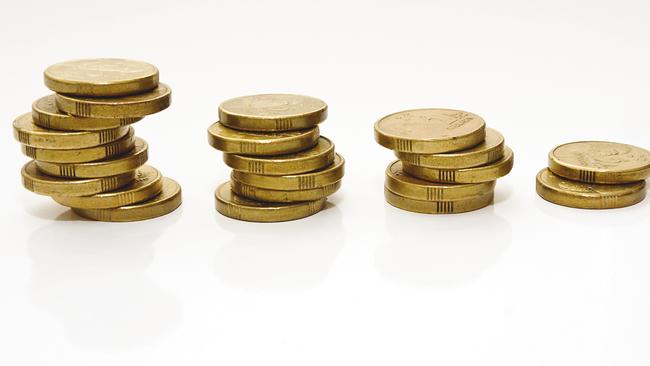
[449, 160]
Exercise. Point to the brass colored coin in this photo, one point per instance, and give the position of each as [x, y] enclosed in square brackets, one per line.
[405, 185]
[486, 173]
[115, 148]
[138, 105]
[234, 141]
[169, 199]
[296, 182]
[309, 160]
[272, 195]
[146, 185]
[565, 192]
[600, 162]
[41, 183]
[430, 131]
[272, 112]
[103, 168]
[231, 205]
[438, 207]
[47, 115]
[101, 77]
[484, 153]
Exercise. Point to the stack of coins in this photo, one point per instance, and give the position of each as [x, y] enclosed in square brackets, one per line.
[448, 160]
[86, 155]
[595, 175]
[283, 169]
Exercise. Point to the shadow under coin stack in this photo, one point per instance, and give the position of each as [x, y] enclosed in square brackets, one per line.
[86, 155]
[283, 169]
[595, 175]
[449, 161]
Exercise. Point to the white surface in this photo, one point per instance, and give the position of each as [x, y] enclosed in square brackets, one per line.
[523, 282]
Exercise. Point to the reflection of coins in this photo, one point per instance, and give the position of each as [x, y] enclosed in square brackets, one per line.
[272, 195]
[600, 162]
[561, 191]
[438, 207]
[234, 141]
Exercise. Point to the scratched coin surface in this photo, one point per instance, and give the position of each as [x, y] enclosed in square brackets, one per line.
[273, 195]
[272, 112]
[565, 192]
[438, 207]
[600, 162]
[234, 141]
[106, 77]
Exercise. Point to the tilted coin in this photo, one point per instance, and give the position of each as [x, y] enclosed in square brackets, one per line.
[101, 77]
[309, 160]
[240, 208]
[600, 162]
[167, 201]
[272, 112]
[484, 153]
[138, 105]
[146, 185]
[411, 187]
[486, 173]
[41, 183]
[438, 207]
[565, 192]
[103, 168]
[234, 141]
[272, 195]
[430, 131]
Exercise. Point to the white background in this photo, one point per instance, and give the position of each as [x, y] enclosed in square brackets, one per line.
[522, 282]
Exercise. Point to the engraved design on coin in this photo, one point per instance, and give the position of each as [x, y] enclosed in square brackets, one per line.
[602, 155]
[102, 70]
[273, 105]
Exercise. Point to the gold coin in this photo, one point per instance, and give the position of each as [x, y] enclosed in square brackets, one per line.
[405, 185]
[41, 183]
[430, 131]
[47, 115]
[103, 168]
[146, 185]
[438, 207]
[309, 160]
[600, 162]
[138, 105]
[234, 141]
[166, 202]
[115, 148]
[272, 112]
[272, 195]
[484, 153]
[565, 192]
[101, 77]
[240, 208]
[486, 173]
[296, 182]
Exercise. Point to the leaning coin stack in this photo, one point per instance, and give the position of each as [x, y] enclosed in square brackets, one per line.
[86, 155]
[448, 160]
[595, 175]
[283, 169]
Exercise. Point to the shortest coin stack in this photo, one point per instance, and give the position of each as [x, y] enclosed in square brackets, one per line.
[283, 169]
[595, 175]
[448, 160]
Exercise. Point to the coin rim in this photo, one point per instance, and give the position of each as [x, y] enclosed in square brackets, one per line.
[426, 207]
[270, 195]
[273, 146]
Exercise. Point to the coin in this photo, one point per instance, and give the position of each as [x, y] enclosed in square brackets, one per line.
[600, 162]
[430, 131]
[311, 180]
[115, 148]
[47, 115]
[309, 160]
[484, 153]
[101, 77]
[565, 192]
[103, 168]
[234, 141]
[438, 207]
[272, 112]
[272, 195]
[138, 105]
[146, 185]
[240, 208]
[41, 183]
[479, 174]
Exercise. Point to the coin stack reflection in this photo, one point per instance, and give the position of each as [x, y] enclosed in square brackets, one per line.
[85, 154]
[448, 160]
[283, 169]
